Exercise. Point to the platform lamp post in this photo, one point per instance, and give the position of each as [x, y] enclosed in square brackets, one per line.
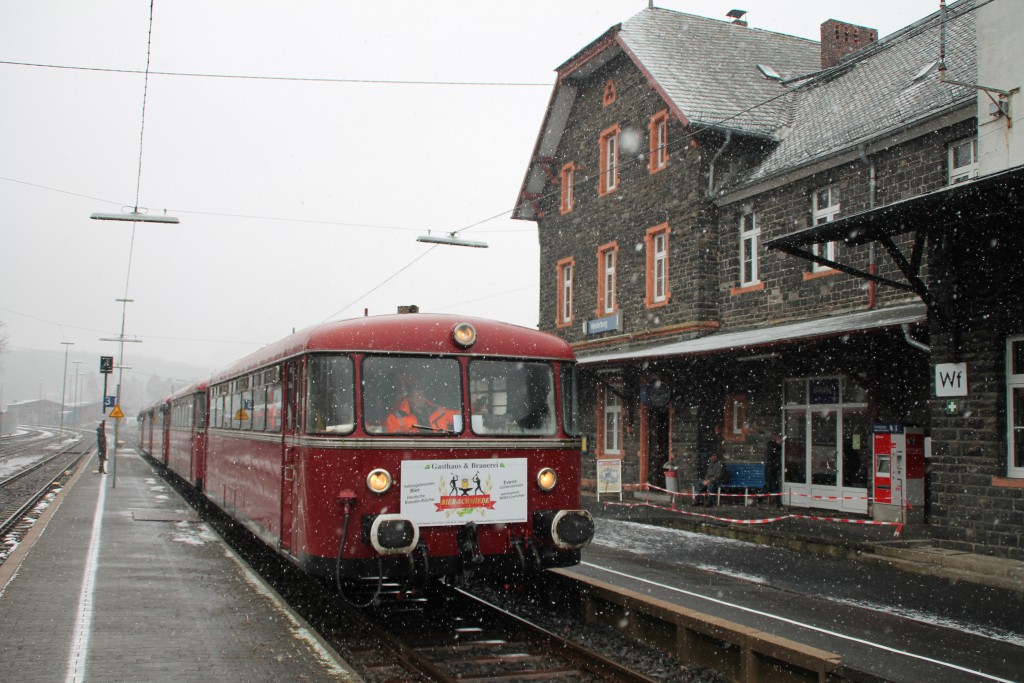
[64, 386]
[77, 373]
[120, 370]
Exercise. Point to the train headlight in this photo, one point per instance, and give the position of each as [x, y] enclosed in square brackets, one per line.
[547, 479]
[464, 335]
[378, 481]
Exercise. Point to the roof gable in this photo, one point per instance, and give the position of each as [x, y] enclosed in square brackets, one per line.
[705, 69]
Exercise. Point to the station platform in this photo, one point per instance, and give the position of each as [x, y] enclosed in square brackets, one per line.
[119, 581]
[908, 547]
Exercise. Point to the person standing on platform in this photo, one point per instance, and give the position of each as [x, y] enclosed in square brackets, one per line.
[713, 478]
[101, 445]
[773, 470]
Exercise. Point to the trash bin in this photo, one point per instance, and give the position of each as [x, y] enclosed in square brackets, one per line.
[671, 481]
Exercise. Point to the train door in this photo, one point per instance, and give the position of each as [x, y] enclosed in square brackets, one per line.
[165, 432]
[289, 463]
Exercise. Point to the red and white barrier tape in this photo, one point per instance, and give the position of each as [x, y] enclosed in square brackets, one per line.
[897, 531]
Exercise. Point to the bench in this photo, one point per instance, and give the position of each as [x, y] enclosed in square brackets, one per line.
[740, 475]
[744, 475]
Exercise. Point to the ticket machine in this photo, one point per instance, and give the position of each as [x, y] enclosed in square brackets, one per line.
[898, 487]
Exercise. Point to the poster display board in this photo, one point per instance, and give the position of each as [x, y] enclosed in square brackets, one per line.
[485, 491]
[609, 477]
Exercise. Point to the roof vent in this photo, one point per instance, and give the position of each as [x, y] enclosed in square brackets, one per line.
[920, 75]
[769, 73]
[737, 16]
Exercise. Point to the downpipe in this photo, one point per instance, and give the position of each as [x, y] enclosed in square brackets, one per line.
[913, 342]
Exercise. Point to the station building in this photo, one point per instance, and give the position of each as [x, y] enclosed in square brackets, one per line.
[744, 233]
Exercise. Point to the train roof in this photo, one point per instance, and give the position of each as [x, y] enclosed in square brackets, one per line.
[415, 333]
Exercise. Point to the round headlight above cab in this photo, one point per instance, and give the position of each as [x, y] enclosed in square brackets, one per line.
[378, 481]
[547, 479]
[464, 335]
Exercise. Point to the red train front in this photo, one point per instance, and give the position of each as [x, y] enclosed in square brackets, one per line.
[408, 446]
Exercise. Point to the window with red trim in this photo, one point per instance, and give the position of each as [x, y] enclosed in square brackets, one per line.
[607, 264]
[564, 268]
[736, 406]
[658, 142]
[656, 243]
[611, 428]
[608, 180]
[609, 96]
[568, 196]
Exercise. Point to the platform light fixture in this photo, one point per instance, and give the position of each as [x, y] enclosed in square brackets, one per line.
[135, 217]
[451, 239]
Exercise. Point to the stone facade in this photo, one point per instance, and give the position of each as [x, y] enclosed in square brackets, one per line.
[728, 362]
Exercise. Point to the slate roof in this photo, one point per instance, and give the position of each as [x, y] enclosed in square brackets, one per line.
[873, 91]
[707, 71]
[708, 68]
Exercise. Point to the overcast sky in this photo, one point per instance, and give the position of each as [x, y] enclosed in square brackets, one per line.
[300, 200]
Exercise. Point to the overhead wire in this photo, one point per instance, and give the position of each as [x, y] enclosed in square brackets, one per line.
[295, 79]
[693, 130]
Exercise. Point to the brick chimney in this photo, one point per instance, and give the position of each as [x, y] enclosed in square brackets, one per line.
[839, 39]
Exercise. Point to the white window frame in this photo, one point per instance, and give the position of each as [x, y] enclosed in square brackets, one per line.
[1014, 432]
[824, 213]
[612, 422]
[750, 237]
[608, 305]
[659, 244]
[661, 143]
[611, 159]
[965, 171]
[566, 284]
[568, 198]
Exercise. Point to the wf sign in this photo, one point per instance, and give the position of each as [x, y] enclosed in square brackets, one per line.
[950, 379]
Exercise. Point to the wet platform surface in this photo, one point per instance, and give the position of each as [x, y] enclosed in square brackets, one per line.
[120, 581]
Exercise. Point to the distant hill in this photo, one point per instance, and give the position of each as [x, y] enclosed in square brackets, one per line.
[34, 373]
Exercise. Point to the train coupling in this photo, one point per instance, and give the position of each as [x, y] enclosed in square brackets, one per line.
[394, 534]
[567, 529]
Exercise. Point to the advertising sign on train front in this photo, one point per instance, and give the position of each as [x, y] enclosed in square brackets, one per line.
[485, 491]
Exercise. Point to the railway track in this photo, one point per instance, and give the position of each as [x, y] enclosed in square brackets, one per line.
[29, 441]
[449, 636]
[457, 636]
[22, 492]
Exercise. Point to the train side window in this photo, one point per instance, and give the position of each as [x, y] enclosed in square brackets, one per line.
[248, 402]
[200, 412]
[330, 397]
[512, 397]
[570, 399]
[259, 409]
[274, 407]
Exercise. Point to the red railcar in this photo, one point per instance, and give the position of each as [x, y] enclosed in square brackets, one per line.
[405, 445]
[185, 433]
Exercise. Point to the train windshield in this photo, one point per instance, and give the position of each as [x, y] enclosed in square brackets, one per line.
[512, 398]
[412, 395]
[330, 395]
